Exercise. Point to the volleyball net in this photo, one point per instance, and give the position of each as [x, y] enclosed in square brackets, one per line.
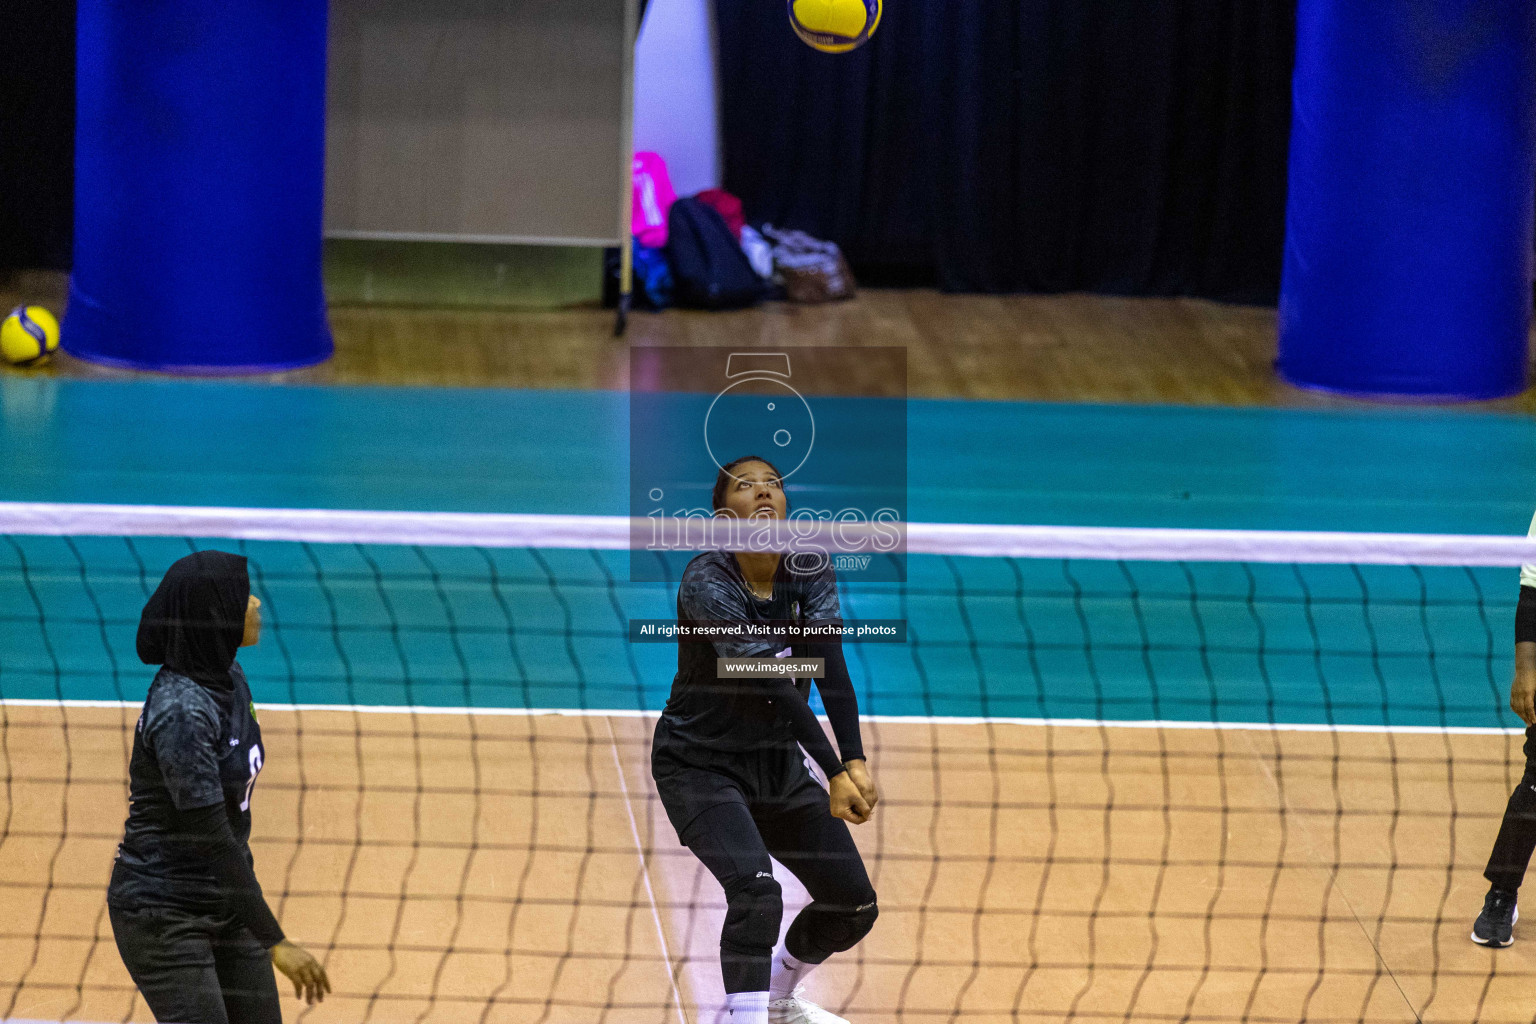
[1126, 774]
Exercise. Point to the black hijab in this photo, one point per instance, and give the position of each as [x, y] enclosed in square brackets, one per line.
[195, 620]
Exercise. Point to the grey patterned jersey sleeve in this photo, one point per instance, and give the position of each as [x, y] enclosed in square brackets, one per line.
[708, 595]
[819, 602]
[181, 727]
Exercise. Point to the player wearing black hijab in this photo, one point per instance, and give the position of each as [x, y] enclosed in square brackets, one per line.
[189, 917]
[729, 769]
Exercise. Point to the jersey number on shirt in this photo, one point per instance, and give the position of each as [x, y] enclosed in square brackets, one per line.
[245, 804]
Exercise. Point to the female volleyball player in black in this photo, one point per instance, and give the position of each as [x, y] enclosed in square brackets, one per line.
[188, 914]
[729, 769]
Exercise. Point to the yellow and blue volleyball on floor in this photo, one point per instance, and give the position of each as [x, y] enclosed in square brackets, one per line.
[834, 26]
[28, 336]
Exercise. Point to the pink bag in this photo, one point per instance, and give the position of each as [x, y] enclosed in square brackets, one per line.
[652, 198]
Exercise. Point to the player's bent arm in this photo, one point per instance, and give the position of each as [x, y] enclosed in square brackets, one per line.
[207, 828]
[847, 801]
[842, 704]
[802, 722]
[838, 697]
[182, 736]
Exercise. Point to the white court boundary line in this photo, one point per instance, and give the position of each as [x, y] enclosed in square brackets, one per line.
[469, 529]
[645, 871]
[1062, 723]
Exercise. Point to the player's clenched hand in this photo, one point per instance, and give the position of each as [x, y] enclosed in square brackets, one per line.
[858, 771]
[309, 979]
[1522, 694]
[847, 802]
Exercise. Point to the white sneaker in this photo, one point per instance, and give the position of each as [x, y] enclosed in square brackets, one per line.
[795, 1009]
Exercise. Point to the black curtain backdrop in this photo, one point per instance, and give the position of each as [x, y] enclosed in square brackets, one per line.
[1122, 146]
[37, 134]
[1115, 146]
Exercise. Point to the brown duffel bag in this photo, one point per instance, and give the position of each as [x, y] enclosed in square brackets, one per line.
[809, 269]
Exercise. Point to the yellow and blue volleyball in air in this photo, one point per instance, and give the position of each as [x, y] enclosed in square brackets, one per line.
[834, 26]
[28, 336]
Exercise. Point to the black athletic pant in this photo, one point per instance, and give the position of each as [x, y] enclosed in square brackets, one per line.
[196, 968]
[1517, 835]
[734, 842]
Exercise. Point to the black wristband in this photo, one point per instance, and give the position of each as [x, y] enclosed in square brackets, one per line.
[1525, 616]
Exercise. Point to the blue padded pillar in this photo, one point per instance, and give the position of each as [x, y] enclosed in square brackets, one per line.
[1408, 252]
[199, 169]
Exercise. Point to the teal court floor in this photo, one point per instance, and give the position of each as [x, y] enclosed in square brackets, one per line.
[990, 637]
[1045, 868]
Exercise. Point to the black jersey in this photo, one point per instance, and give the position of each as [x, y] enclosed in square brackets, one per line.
[192, 748]
[707, 713]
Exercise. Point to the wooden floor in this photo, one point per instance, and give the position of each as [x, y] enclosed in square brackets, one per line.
[509, 868]
[518, 869]
[1059, 348]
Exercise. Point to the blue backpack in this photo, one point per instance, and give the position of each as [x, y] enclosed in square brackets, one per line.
[653, 277]
[709, 270]
[651, 281]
